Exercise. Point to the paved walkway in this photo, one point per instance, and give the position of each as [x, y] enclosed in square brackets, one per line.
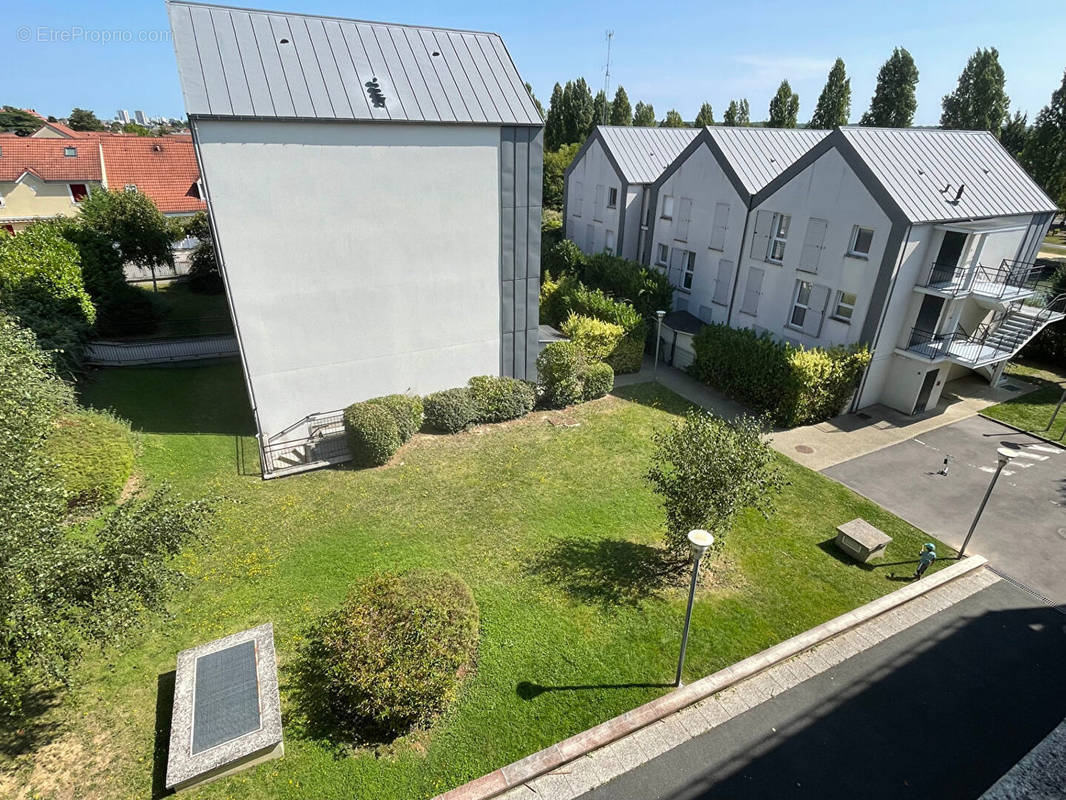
[634, 751]
[160, 351]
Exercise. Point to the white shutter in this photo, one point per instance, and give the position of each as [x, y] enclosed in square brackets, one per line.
[608, 242]
[811, 255]
[598, 202]
[676, 254]
[684, 216]
[723, 282]
[590, 239]
[579, 197]
[812, 323]
[752, 291]
[760, 237]
[718, 228]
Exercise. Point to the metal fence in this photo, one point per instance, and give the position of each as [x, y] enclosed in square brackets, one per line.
[317, 440]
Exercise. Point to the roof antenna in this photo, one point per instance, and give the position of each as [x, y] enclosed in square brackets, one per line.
[958, 194]
[607, 78]
[946, 189]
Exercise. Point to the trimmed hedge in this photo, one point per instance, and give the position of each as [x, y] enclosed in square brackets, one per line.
[605, 341]
[394, 655]
[405, 409]
[451, 410]
[91, 453]
[559, 369]
[498, 399]
[373, 435]
[794, 385]
[597, 380]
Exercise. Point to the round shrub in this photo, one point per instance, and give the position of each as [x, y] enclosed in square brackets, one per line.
[597, 380]
[405, 409]
[500, 398]
[394, 655]
[92, 455]
[450, 411]
[559, 367]
[373, 436]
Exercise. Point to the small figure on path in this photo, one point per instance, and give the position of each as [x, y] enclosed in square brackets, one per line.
[925, 558]
[944, 469]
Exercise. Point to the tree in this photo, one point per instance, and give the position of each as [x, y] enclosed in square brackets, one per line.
[834, 103]
[1045, 151]
[979, 102]
[784, 108]
[555, 164]
[204, 274]
[1015, 133]
[672, 120]
[599, 110]
[576, 111]
[705, 117]
[533, 97]
[15, 120]
[894, 101]
[644, 115]
[141, 234]
[84, 120]
[621, 111]
[553, 122]
[134, 128]
[738, 114]
[707, 471]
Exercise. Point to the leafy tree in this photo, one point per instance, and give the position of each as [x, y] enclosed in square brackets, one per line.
[533, 97]
[979, 102]
[834, 103]
[1015, 133]
[672, 120]
[621, 111]
[553, 121]
[894, 101]
[555, 164]
[737, 115]
[784, 108]
[15, 120]
[644, 115]
[134, 128]
[1045, 151]
[576, 111]
[82, 119]
[599, 110]
[705, 117]
[140, 232]
[707, 471]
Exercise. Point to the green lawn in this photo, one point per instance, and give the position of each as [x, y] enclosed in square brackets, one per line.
[186, 313]
[1033, 411]
[552, 527]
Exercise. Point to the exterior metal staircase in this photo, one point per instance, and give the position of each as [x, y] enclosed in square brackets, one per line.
[315, 441]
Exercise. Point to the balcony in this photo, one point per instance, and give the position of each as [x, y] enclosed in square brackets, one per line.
[1010, 281]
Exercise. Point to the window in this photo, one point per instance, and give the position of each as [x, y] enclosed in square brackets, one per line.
[778, 237]
[131, 187]
[800, 304]
[78, 192]
[688, 270]
[612, 197]
[844, 306]
[668, 207]
[608, 243]
[70, 152]
[861, 239]
[662, 255]
[9, 228]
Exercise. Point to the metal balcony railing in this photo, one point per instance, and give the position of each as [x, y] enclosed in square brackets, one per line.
[1010, 279]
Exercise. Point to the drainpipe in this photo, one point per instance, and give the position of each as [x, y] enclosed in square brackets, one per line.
[643, 226]
[740, 257]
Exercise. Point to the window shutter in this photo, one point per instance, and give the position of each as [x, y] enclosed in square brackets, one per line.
[675, 266]
[721, 223]
[723, 281]
[590, 239]
[760, 238]
[812, 323]
[811, 255]
[579, 197]
[684, 216]
[752, 291]
[598, 202]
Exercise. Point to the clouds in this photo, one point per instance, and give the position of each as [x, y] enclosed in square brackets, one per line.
[767, 71]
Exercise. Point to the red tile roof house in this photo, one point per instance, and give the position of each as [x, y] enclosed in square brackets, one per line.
[162, 167]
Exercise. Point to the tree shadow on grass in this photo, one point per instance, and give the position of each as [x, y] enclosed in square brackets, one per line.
[607, 572]
[35, 728]
[164, 709]
[654, 395]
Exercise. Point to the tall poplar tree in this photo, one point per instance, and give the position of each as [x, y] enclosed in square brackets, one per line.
[644, 115]
[672, 120]
[553, 122]
[621, 110]
[894, 101]
[784, 108]
[1045, 151]
[705, 117]
[834, 103]
[979, 102]
[599, 111]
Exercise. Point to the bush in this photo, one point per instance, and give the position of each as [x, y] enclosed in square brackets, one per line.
[204, 274]
[605, 341]
[91, 453]
[596, 381]
[451, 410]
[498, 399]
[393, 656]
[794, 385]
[554, 298]
[405, 409]
[559, 369]
[373, 435]
[594, 303]
[563, 258]
[647, 289]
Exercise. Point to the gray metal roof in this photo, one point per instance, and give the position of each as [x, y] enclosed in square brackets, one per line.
[237, 62]
[643, 153]
[915, 166]
[758, 155]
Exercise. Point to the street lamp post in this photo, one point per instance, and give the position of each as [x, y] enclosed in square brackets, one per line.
[700, 541]
[1005, 455]
[658, 338]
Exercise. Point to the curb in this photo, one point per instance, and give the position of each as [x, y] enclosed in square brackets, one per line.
[552, 758]
[1053, 442]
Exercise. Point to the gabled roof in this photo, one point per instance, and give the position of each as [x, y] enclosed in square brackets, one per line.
[642, 154]
[44, 158]
[758, 155]
[258, 64]
[922, 171]
[164, 168]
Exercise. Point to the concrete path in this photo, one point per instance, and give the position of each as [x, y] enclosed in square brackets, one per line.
[160, 351]
[942, 707]
[1023, 529]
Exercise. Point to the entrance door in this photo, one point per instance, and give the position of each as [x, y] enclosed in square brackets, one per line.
[928, 316]
[947, 260]
[927, 389]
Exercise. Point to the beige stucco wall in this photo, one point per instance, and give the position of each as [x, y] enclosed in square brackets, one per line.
[32, 197]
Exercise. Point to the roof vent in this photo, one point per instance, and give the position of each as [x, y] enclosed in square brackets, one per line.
[158, 148]
[436, 53]
[958, 194]
[373, 90]
[283, 41]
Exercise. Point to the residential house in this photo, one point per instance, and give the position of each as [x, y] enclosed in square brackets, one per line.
[162, 167]
[605, 188]
[43, 178]
[375, 196]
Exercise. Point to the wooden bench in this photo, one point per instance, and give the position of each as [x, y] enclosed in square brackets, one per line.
[861, 540]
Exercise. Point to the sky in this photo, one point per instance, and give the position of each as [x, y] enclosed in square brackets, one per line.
[109, 55]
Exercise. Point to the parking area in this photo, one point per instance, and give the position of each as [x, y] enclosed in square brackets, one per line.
[1023, 529]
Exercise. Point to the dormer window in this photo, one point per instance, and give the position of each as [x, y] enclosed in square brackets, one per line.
[78, 192]
[70, 151]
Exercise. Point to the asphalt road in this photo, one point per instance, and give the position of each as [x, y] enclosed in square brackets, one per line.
[941, 710]
[1023, 529]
